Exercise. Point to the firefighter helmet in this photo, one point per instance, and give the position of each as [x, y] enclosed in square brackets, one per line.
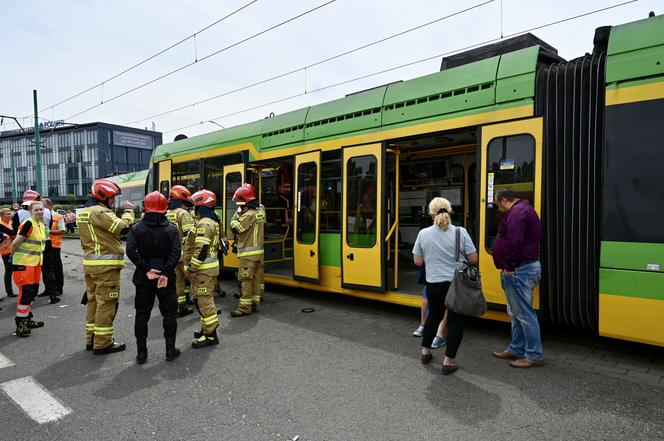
[155, 202]
[179, 192]
[204, 198]
[103, 190]
[244, 194]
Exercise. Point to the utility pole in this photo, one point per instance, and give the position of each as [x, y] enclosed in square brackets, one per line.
[37, 146]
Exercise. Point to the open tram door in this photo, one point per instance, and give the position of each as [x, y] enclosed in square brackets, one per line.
[363, 236]
[511, 156]
[234, 177]
[306, 248]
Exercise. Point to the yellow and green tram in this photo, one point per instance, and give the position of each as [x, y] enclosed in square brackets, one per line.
[346, 183]
[132, 186]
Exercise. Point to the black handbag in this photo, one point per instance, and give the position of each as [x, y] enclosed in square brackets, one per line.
[465, 294]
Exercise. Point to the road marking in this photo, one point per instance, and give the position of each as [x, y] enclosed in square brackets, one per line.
[5, 362]
[35, 400]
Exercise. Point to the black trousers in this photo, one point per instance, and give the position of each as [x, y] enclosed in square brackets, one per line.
[52, 270]
[7, 260]
[168, 306]
[436, 293]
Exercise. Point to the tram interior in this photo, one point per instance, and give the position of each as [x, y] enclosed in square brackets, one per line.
[442, 164]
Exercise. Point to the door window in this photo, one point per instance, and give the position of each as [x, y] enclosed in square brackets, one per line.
[307, 182]
[233, 182]
[361, 209]
[511, 164]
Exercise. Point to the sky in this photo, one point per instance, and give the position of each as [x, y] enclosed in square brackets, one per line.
[63, 48]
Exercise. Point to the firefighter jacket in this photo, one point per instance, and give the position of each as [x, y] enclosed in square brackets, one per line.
[30, 251]
[183, 221]
[100, 231]
[249, 226]
[202, 245]
[56, 232]
[6, 244]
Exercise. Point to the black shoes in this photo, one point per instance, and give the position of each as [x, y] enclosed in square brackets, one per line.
[11, 294]
[184, 310]
[172, 354]
[447, 369]
[54, 300]
[22, 329]
[141, 358]
[113, 347]
[31, 324]
[426, 358]
[43, 294]
[205, 340]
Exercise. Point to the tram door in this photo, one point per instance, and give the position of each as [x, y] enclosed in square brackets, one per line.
[234, 176]
[307, 217]
[511, 158]
[164, 177]
[363, 235]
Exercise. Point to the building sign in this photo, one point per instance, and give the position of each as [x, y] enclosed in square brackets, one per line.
[129, 139]
[49, 124]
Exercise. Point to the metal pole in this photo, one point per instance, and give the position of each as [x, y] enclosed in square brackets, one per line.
[14, 191]
[37, 145]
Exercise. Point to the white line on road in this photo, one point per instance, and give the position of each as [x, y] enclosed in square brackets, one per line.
[35, 400]
[5, 362]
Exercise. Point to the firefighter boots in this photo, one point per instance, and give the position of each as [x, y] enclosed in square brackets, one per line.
[113, 347]
[205, 340]
[184, 310]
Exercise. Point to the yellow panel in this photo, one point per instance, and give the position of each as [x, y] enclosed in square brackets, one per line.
[165, 172]
[362, 266]
[632, 318]
[490, 274]
[305, 255]
[231, 260]
[633, 94]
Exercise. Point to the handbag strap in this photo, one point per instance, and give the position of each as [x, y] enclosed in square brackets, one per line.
[457, 244]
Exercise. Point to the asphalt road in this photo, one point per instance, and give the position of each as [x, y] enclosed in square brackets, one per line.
[348, 371]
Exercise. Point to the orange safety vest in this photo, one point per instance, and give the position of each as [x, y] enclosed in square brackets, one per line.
[56, 233]
[6, 245]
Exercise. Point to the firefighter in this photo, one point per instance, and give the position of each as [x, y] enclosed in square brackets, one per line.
[103, 258]
[201, 248]
[153, 245]
[52, 268]
[27, 257]
[7, 233]
[181, 218]
[248, 225]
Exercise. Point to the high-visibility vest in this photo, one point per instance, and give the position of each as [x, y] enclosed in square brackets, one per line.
[6, 245]
[30, 251]
[56, 233]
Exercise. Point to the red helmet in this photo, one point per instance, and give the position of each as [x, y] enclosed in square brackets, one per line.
[203, 198]
[180, 192]
[244, 194]
[155, 202]
[30, 195]
[103, 190]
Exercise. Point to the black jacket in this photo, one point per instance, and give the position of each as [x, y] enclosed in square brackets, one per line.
[153, 242]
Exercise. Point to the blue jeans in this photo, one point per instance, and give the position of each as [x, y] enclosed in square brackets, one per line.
[519, 286]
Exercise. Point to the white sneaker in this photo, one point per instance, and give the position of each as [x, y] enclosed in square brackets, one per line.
[418, 332]
[437, 342]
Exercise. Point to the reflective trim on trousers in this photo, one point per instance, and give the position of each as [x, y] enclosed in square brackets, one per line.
[103, 330]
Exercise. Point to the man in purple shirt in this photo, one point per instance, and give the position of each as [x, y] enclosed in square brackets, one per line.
[516, 252]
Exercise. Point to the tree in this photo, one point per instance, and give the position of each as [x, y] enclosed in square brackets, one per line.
[71, 198]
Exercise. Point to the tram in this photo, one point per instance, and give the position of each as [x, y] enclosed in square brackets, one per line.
[346, 183]
[133, 188]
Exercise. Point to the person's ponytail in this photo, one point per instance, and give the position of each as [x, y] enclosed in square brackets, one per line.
[442, 210]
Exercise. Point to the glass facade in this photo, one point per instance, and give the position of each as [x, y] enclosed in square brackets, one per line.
[71, 159]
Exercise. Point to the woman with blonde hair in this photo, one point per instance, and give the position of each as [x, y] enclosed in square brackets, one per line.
[435, 247]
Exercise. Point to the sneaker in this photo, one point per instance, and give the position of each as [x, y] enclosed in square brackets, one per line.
[437, 342]
[32, 324]
[418, 332]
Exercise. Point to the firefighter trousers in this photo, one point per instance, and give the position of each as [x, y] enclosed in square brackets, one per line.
[182, 284]
[27, 280]
[203, 290]
[251, 274]
[103, 286]
[168, 306]
[52, 270]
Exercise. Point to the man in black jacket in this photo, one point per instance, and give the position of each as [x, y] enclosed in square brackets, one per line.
[153, 245]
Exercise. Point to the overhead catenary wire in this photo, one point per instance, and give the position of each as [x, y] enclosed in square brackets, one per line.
[237, 43]
[145, 60]
[309, 92]
[309, 66]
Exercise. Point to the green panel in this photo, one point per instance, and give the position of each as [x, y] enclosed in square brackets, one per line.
[516, 75]
[352, 113]
[631, 283]
[284, 129]
[632, 255]
[330, 249]
[636, 50]
[133, 176]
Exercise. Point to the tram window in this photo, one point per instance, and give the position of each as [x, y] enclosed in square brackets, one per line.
[510, 164]
[361, 204]
[187, 174]
[164, 188]
[213, 172]
[307, 182]
[330, 195]
[233, 182]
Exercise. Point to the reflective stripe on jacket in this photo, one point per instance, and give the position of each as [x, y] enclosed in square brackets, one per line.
[30, 251]
[100, 231]
[250, 226]
[183, 221]
[204, 233]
